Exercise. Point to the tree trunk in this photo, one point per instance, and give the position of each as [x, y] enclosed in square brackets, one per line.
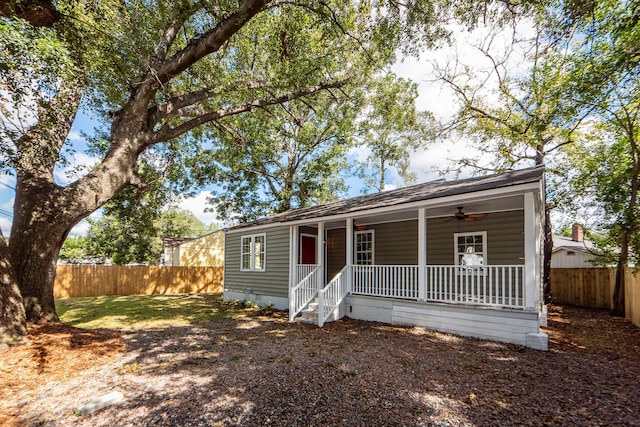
[40, 13]
[619, 308]
[39, 229]
[382, 177]
[547, 251]
[547, 248]
[13, 326]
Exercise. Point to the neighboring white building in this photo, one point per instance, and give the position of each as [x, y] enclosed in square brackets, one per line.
[572, 252]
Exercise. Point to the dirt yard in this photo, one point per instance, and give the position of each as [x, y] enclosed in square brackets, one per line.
[259, 370]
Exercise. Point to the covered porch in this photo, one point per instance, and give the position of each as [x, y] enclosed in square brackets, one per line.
[421, 254]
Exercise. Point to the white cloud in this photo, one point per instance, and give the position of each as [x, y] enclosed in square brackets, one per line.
[8, 205]
[18, 117]
[74, 135]
[82, 227]
[79, 165]
[429, 163]
[359, 153]
[5, 226]
[7, 181]
[197, 206]
[439, 99]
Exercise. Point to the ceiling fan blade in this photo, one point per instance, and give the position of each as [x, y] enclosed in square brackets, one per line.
[477, 215]
[470, 218]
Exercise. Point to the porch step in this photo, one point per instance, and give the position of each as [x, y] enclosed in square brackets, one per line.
[309, 314]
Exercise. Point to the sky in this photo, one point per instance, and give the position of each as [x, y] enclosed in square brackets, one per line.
[433, 97]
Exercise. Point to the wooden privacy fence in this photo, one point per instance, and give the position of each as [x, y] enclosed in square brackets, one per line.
[97, 280]
[593, 287]
[583, 287]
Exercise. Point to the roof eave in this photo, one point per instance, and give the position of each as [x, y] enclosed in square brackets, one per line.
[499, 192]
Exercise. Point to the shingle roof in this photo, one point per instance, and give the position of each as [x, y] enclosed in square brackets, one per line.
[170, 242]
[561, 242]
[414, 193]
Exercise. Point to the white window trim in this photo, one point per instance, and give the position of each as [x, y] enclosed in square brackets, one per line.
[373, 246]
[485, 255]
[252, 252]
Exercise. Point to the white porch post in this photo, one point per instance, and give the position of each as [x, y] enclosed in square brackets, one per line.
[531, 253]
[295, 254]
[422, 254]
[349, 254]
[293, 267]
[320, 254]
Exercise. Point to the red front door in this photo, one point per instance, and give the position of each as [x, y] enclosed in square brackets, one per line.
[308, 250]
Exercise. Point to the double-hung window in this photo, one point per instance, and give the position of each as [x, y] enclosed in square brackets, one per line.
[471, 250]
[253, 250]
[364, 247]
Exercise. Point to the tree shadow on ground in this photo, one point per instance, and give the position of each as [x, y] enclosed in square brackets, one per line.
[254, 371]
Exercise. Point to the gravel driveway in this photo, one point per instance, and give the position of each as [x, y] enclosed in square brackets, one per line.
[261, 370]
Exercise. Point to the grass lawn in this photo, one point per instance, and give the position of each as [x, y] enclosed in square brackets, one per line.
[145, 311]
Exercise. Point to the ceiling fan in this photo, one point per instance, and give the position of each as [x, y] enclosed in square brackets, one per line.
[461, 216]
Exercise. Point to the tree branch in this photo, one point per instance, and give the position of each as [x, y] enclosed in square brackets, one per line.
[169, 36]
[174, 106]
[166, 132]
[40, 146]
[208, 43]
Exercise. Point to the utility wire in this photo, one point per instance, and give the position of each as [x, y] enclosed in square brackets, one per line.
[7, 185]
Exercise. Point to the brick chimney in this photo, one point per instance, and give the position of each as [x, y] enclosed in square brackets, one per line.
[576, 233]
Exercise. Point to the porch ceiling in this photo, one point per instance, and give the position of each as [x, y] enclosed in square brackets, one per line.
[469, 206]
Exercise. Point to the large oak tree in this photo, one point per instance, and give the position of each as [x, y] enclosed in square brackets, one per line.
[156, 72]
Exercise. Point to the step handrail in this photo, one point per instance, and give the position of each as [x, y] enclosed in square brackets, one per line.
[303, 293]
[330, 297]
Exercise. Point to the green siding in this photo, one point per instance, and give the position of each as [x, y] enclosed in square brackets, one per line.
[274, 281]
[336, 255]
[505, 238]
[396, 243]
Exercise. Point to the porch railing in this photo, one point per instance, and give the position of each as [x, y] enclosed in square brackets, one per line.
[303, 270]
[330, 297]
[491, 285]
[303, 293]
[395, 281]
